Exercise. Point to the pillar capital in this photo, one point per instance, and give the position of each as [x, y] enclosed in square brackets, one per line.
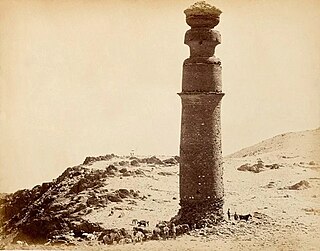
[202, 15]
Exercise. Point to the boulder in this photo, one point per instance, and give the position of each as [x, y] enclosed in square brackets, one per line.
[170, 161]
[303, 184]
[85, 183]
[177, 158]
[256, 168]
[134, 163]
[165, 173]
[93, 201]
[139, 172]
[85, 227]
[79, 207]
[124, 193]
[114, 197]
[123, 170]
[152, 160]
[273, 166]
[126, 174]
[123, 163]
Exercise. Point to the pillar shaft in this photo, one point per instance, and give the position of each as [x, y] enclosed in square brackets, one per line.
[200, 147]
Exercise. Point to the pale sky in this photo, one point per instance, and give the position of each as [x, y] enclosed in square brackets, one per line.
[87, 78]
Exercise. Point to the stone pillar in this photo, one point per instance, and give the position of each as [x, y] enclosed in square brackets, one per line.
[201, 185]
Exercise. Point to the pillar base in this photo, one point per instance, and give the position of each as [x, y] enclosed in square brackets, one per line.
[200, 214]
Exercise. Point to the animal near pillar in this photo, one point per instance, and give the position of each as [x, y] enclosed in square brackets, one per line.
[201, 185]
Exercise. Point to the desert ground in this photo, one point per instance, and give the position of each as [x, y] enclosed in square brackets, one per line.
[277, 181]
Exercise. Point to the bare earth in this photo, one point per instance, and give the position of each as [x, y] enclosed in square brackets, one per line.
[283, 218]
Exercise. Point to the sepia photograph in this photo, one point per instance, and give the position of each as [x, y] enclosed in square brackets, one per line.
[160, 125]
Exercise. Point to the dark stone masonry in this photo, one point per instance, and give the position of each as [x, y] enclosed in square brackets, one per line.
[201, 171]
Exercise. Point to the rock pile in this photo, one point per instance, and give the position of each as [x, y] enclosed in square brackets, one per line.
[89, 160]
[258, 167]
[152, 161]
[134, 161]
[56, 208]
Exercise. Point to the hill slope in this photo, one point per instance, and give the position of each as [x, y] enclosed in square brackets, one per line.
[304, 145]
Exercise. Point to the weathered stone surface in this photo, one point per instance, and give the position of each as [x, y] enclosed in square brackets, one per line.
[202, 14]
[201, 186]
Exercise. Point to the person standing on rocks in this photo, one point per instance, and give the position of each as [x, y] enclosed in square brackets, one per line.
[235, 216]
[229, 216]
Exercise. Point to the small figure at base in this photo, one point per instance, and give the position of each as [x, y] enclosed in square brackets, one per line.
[229, 216]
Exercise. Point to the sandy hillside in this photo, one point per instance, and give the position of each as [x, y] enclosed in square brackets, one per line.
[279, 186]
[297, 146]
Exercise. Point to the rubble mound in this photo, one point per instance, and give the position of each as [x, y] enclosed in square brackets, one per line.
[251, 168]
[152, 160]
[303, 184]
[58, 207]
[65, 208]
[258, 167]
